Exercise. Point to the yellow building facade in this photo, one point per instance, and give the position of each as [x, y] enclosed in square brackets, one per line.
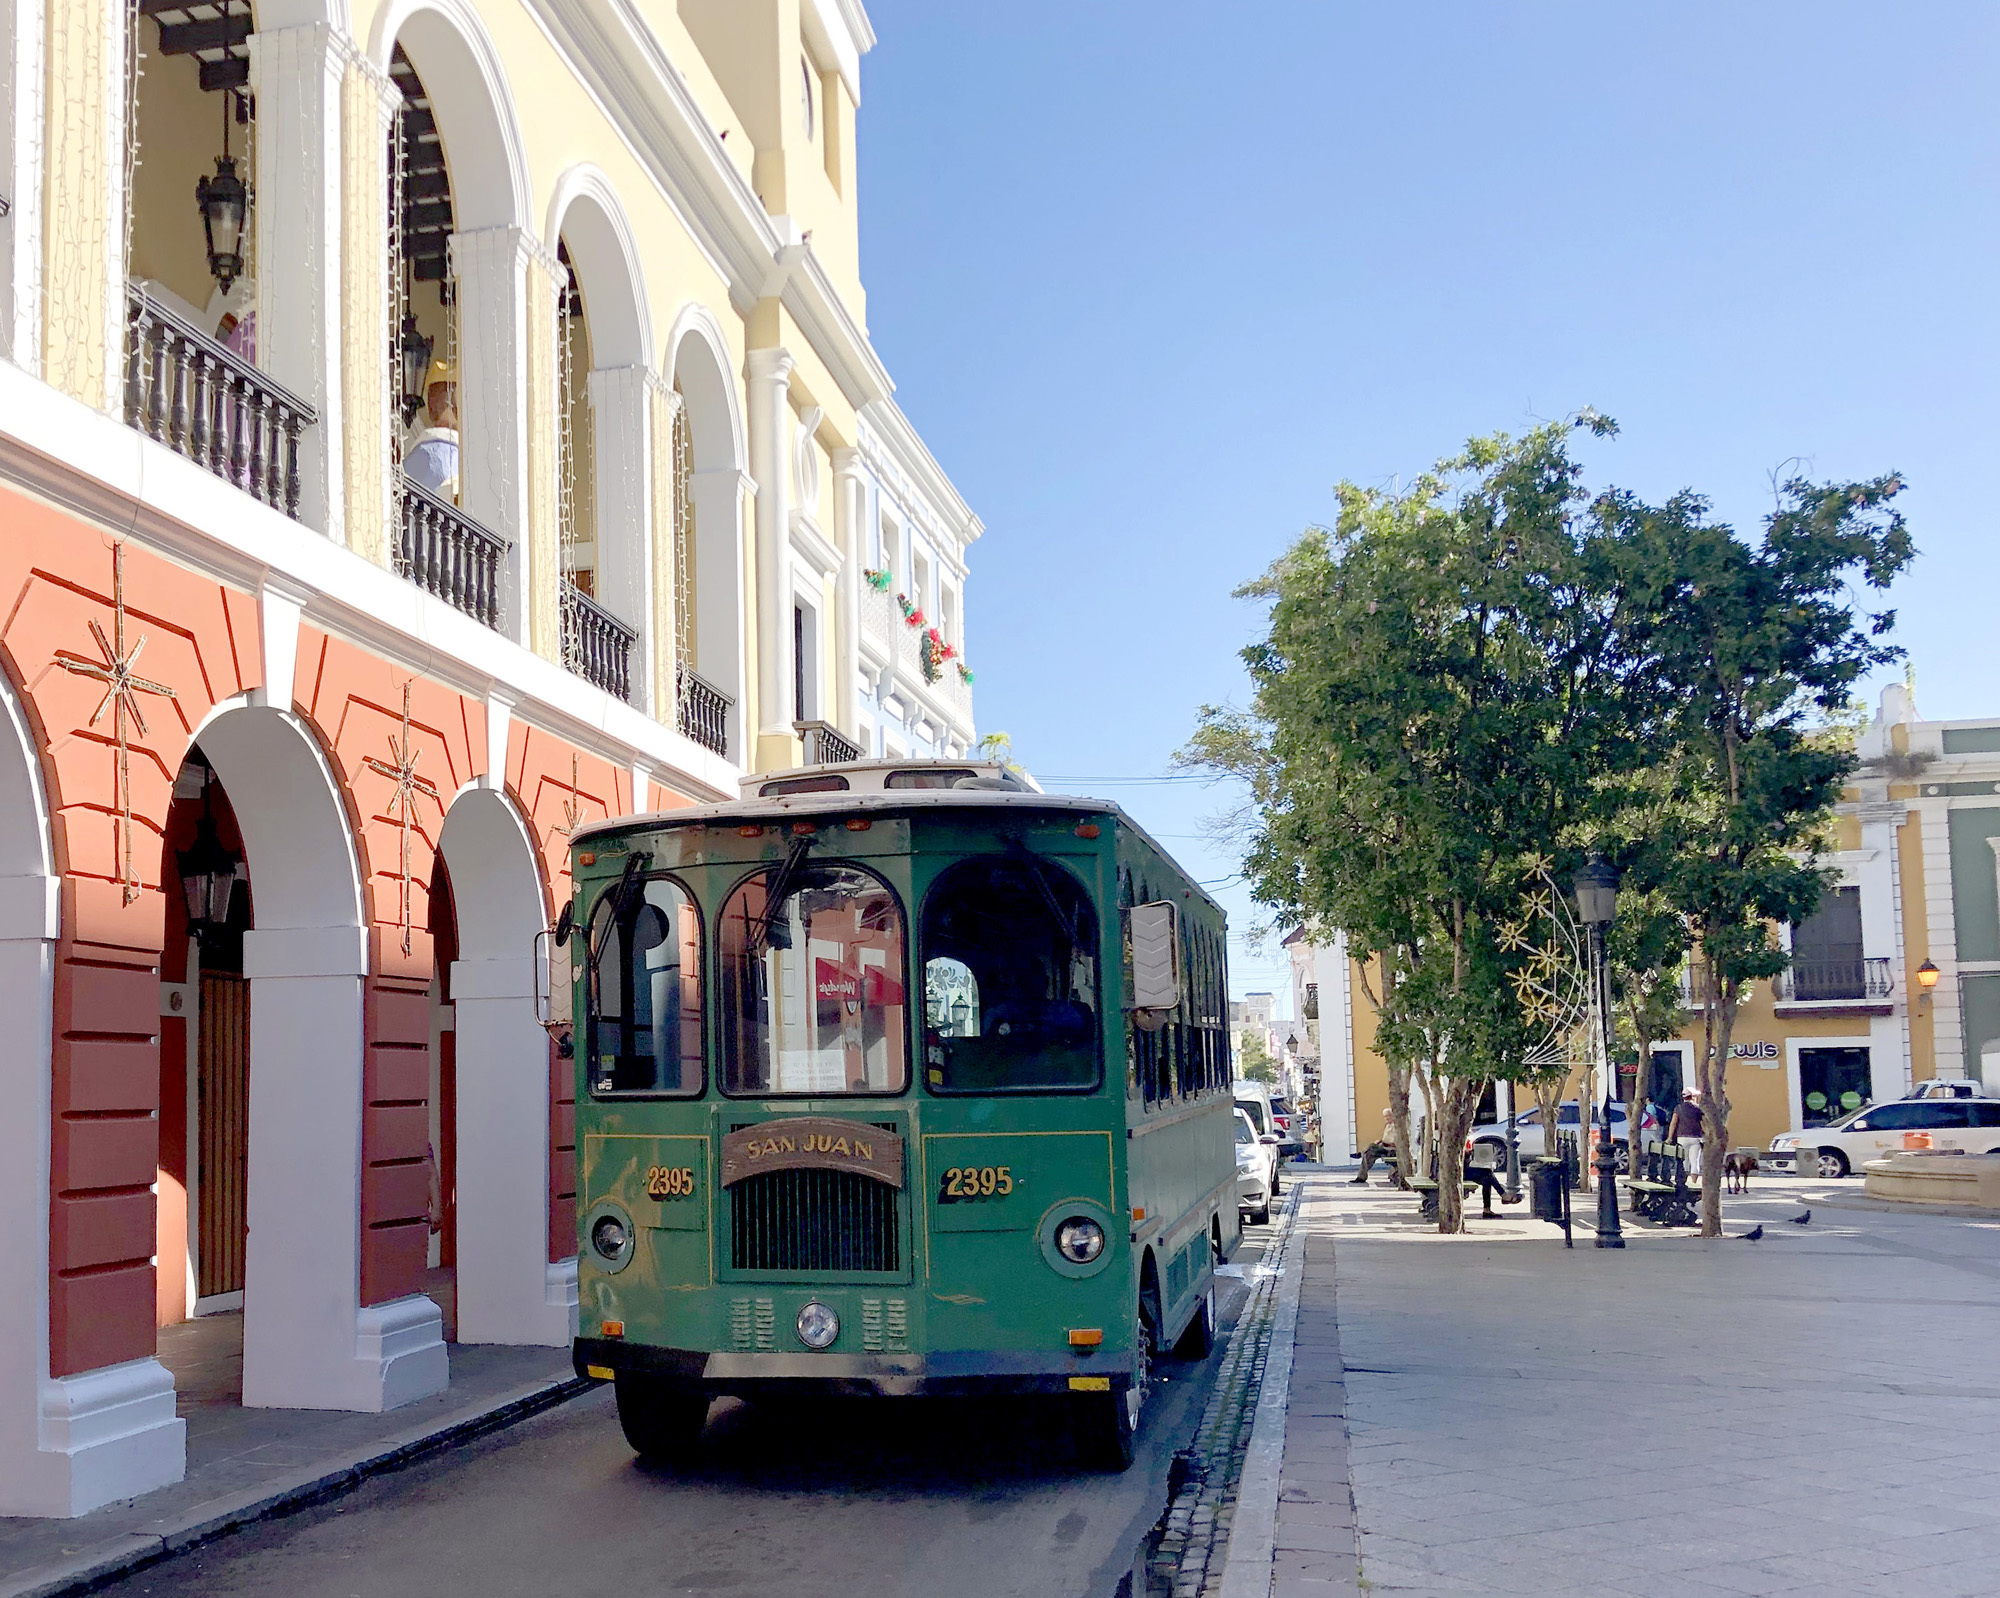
[426, 427]
[1917, 838]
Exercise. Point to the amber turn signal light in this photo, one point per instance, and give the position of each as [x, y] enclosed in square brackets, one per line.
[1086, 829]
[588, 858]
[804, 829]
[749, 832]
[614, 1328]
[1086, 1336]
[858, 823]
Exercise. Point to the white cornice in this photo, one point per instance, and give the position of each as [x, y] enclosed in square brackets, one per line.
[886, 428]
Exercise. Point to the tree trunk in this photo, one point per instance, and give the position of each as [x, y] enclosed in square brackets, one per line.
[1399, 1119]
[1454, 1117]
[1719, 999]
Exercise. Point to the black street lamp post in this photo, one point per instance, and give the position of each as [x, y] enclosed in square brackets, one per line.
[1596, 886]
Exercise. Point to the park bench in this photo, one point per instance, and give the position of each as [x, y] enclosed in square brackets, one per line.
[1426, 1190]
[1661, 1193]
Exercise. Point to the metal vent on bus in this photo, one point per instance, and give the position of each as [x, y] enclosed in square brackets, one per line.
[885, 1335]
[813, 1221]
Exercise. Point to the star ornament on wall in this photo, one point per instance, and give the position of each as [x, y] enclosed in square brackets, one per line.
[122, 687]
[402, 771]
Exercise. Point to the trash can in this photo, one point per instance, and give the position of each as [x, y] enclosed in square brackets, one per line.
[1545, 1196]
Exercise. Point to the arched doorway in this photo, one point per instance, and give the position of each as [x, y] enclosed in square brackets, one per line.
[203, 1214]
[308, 1341]
[507, 1288]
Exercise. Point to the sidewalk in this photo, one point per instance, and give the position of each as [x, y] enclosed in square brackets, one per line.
[1812, 1412]
[246, 1464]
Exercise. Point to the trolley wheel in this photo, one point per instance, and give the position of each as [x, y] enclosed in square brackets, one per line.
[1198, 1341]
[659, 1421]
[1107, 1424]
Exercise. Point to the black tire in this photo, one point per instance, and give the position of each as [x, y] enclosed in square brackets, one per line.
[1262, 1215]
[1108, 1423]
[1277, 1186]
[1835, 1159]
[1197, 1341]
[660, 1422]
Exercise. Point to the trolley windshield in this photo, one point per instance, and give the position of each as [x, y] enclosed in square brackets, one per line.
[1010, 979]
[812, 985]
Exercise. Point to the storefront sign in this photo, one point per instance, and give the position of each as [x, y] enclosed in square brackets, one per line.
[1754, 1051]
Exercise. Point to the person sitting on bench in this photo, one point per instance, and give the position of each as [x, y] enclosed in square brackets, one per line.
[1383, 1148]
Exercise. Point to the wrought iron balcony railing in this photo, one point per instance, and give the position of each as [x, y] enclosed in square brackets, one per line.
[826, 745]
[701, 711]
[1826, 981]
[445, 552]
[596, 645]
[207, 403]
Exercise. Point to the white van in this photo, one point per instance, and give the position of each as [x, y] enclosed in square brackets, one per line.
[1968, 1124]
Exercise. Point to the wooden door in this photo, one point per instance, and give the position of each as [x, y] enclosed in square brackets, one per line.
[223, 1112]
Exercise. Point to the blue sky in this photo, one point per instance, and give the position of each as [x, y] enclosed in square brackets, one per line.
[1152, 278]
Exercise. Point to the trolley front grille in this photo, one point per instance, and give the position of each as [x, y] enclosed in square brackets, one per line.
[813, 1221]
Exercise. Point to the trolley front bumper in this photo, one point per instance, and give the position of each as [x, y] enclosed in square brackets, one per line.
[949, 1373]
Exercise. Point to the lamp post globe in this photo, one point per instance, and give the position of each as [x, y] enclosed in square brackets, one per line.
[1596, 888]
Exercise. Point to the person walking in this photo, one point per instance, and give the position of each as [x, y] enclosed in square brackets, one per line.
[1685, 1132]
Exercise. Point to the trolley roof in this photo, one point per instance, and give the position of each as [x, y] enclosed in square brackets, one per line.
[867, 795]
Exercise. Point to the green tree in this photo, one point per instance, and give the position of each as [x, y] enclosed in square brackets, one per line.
[1253, 1060]
[1436, 699]
[1743, 648]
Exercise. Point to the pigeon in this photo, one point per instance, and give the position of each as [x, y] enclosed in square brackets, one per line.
[1755, 1233]
[1801, 1220]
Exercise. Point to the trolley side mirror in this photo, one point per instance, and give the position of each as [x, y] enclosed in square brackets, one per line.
[555, 978]
[1155, 935]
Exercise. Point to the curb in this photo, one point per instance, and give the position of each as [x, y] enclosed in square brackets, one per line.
[129, 1552]
[1253, 1532]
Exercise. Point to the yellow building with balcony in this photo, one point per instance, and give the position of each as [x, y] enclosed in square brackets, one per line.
[425, 426]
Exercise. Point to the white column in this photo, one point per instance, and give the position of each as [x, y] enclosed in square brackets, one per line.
[22, 30]
[850, 498]
[770, 464]
[503, 1160]
[621, 430]
[1881, 939]
[308, 1342]
[1941, 916]
[298, 73]
[489, 267]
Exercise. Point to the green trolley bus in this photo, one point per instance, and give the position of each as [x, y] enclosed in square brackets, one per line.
[893, 1078]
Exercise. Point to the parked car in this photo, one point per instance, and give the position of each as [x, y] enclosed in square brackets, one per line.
[1951, 1122]
[1950, 1088]
[1487, 1143]
[1256, 1169]
[1288, 1125]
[1255, 1100]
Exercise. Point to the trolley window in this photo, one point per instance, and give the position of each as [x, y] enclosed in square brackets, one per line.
[1010, 979]
[929, 777]
[645, 991]
[812, 986]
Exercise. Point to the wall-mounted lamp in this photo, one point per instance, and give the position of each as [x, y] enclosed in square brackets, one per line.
[1927, 978]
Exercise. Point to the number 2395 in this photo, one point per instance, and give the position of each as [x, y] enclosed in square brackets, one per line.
[669, 1181]
[965, 1182]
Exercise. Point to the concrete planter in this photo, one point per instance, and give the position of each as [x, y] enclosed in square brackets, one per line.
[1919, 1177]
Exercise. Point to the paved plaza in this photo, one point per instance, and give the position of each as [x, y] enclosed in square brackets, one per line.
[1812, 1412]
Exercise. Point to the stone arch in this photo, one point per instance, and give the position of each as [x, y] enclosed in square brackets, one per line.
[698, 368]
[308, 1342]
[507, 1290]
[475, 109]
[609, 404]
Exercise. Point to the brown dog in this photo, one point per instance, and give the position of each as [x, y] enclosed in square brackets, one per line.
[1736, 1168]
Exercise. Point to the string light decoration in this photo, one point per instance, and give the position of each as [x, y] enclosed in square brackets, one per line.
[1551, 983]
[685, 615]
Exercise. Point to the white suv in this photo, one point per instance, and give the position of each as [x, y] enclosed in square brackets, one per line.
[1256, 1169]
[1968, 1124]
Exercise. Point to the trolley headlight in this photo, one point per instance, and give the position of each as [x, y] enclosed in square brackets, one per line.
[609, 1237]
[1080, 1239]
[818, 1325]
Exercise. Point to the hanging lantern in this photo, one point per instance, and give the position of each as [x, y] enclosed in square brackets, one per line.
[208, 878]
[413, 357]
[225, 206]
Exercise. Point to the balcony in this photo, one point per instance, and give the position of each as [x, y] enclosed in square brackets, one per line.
[701, 711]
[1850, 983]
[596, 645]
[209, 405]
[446, 553]
[825, 744]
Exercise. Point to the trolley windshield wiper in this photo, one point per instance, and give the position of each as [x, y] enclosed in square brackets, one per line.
[1037, 866]
[784, 878]
[621, 895]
